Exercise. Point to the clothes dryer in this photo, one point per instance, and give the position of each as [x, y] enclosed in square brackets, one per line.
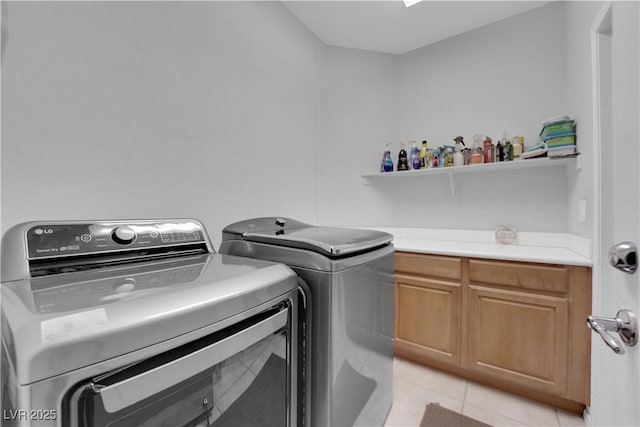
[350, 274]
[141, 323]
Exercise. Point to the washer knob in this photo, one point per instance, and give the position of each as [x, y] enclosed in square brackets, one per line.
[123, 235]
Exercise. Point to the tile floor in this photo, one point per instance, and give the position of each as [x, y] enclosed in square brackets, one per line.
[416, 385]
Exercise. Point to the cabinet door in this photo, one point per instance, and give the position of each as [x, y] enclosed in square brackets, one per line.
[519, 337]
[428, 318]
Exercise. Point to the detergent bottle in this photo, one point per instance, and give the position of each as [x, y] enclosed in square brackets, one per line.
[423, 156]
[415, 156]
[403, 163]
[387, 162]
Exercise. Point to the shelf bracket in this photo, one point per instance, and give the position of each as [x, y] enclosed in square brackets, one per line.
[452, 185]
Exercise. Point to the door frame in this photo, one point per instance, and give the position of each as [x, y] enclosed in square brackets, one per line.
[601, 21]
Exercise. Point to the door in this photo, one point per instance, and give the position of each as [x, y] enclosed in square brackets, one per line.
[615, 50]
[532, 327]
[429, 317]
[242, 375]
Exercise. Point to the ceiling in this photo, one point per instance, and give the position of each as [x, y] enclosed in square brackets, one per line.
[388, 26]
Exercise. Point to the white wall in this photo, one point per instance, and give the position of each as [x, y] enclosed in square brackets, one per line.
[504, 76]
[171, 109]
[358, 116]
[227, 110]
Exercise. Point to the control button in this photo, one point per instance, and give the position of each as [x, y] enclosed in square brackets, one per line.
[85, 238]
[123, 235]
[153, 234]
[127, 285]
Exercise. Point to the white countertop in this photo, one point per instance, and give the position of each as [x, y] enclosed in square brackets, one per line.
[551, 248]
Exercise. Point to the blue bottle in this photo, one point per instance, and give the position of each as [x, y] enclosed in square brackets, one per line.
[387, 162]
[415, 157]
[441, 157]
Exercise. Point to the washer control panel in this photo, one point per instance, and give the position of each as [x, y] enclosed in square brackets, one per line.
[48, 240]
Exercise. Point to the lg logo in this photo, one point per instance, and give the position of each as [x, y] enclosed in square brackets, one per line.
[40, 231]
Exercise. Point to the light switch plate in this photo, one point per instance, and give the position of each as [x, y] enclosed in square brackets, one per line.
[582, 210]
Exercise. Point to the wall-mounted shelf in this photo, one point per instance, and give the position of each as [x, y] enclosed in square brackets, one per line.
[482, 167]
[544, 162]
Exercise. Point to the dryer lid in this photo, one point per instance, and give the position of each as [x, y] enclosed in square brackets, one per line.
[329, 241]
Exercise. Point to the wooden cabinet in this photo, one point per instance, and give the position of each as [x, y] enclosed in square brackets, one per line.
[513, 325]
[424, 302]
[519, 337]
[428, 294]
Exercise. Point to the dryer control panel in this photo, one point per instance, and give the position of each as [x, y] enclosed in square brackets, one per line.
[42, 248]
[51, 240]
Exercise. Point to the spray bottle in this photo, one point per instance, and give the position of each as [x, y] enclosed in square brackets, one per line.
[387, 162]
[458, 158]
[506, 146]
[414, 158]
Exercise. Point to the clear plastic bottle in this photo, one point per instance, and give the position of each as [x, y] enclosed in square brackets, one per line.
[517, 147]
[466, 153]
[477, 155]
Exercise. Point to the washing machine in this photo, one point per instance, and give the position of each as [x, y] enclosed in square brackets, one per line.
[350, 274]
[141, 323]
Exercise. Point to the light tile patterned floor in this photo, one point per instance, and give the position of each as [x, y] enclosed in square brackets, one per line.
[416, 385]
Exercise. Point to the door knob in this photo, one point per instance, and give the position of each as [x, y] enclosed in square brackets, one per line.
[624, 257]
[624, 324]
